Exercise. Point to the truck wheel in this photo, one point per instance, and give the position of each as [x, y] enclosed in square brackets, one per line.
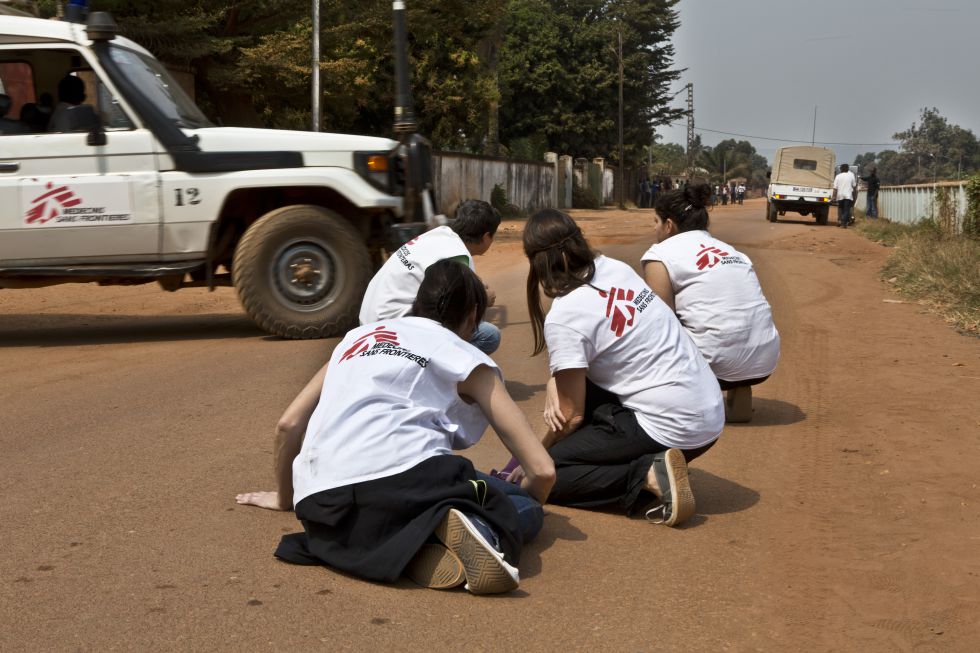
[822, 213]
[771, 211]
[301, 272]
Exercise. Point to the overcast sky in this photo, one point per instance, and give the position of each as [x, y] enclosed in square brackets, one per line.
[760, 66]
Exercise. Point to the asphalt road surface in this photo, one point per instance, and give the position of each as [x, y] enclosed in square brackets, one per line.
[845, 516]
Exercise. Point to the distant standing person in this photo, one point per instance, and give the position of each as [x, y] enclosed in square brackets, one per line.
[724, 195]
[873, 185]
[845, 190]
[654, 191]
[741, 193]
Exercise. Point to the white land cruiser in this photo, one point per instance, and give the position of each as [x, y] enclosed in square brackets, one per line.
[801, 181]
[134, 185]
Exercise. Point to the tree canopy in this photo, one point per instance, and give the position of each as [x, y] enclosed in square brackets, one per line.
[528, 74]
[931, 149]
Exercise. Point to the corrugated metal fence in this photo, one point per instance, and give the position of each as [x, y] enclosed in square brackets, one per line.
[910, 204]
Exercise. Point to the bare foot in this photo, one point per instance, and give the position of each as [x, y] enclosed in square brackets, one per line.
[267, 500]
[652, 485]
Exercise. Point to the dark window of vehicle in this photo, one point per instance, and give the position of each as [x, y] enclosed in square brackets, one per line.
[17, 81]
[804, 164]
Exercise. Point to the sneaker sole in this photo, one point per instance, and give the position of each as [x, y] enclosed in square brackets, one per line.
[486, 572]
[436, 567]
[681, 497]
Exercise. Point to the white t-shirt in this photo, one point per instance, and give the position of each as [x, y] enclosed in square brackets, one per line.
[718, 299]
[633, 346]
[389, 401]
[845, 184]
[393, 289]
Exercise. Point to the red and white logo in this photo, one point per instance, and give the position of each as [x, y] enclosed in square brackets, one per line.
[620, 308]
[48, 205]
[709, 257]
[361, 345]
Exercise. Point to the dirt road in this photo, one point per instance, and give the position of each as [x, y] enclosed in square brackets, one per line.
[845, 516]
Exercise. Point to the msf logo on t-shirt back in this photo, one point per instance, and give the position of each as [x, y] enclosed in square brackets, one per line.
[619, 308]
[709, 257]
[382, 341]
[381, 334]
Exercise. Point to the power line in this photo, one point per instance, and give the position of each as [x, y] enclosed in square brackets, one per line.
[790, 140]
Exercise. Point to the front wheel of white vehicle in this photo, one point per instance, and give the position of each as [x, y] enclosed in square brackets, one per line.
[301, 272]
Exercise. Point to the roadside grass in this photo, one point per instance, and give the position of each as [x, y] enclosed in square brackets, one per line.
[940, 272]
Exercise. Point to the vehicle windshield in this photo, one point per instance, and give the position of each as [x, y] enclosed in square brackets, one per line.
[153, 80]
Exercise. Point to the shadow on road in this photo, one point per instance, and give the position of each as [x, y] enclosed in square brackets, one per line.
[69, 330]
[719, 496]
[521, 391]
[556, 527]
[772, 412]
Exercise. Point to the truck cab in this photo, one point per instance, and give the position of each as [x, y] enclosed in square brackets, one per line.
[801, 181]
[130, 183]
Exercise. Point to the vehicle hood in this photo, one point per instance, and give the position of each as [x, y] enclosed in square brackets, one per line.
[243, 139]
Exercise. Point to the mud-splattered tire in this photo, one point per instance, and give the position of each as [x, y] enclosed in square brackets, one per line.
[822, 214]
[771, 211]
[301, 272]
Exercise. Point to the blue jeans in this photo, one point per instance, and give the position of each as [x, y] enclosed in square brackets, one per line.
[486, 338]
[872, 210]
[530, 515]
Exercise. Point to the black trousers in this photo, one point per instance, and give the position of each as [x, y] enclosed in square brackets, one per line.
[606, 461]
[728, 385]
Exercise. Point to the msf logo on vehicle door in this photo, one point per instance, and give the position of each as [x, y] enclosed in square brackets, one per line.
[50, 204]
[76, 202]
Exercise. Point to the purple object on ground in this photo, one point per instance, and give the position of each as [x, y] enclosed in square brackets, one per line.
[505, 472]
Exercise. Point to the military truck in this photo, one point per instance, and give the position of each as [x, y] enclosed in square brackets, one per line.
[801, 181]
[133, 184]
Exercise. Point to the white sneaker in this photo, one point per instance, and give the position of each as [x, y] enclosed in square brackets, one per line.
[485, 568]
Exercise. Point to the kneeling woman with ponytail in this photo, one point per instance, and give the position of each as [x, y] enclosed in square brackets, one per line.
[630, 399]
[716, 295]
[374, 480]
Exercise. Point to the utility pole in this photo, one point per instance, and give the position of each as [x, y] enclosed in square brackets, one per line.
[315, 99]
[690, 124]
[813, 136]
[622, 160]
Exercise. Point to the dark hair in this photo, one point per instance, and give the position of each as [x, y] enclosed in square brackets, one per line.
[71, 89]
[473, 219]
[561, 261]
[844, 167]
[687, 207]
[448, 293]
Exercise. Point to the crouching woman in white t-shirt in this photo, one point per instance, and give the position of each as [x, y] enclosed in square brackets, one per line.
[716, 295]
[374, 480]
[630, 399]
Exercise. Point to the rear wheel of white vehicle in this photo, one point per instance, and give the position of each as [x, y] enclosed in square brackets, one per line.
[771, 211]
[822, 214]
[301, 272]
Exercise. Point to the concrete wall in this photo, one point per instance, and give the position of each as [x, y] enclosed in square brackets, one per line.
[530, 185]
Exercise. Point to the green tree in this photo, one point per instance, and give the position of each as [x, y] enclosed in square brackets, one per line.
[558, 73]
[939, 150]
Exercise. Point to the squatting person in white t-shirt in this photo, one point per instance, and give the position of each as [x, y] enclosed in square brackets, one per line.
[374, 480]
[715, 293]
[630, 399]
[392, 290]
